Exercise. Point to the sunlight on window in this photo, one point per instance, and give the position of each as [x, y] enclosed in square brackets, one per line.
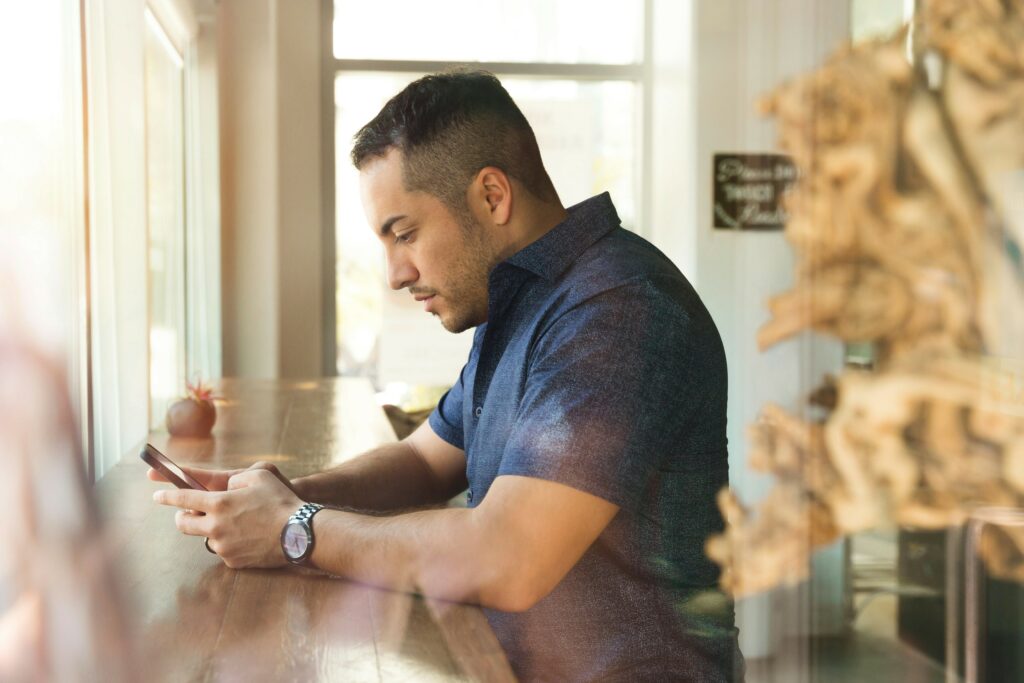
[166, 217]
[360, 260]
[41, 216]
[588, 132]
[878, 18]
[163, 378]
[565, 31]
[30, 109]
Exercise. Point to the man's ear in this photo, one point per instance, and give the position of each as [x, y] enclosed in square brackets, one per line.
[493, 191]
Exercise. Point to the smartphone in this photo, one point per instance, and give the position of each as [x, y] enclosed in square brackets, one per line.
[165, 466]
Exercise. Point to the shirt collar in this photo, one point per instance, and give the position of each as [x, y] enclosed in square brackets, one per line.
[556, 250]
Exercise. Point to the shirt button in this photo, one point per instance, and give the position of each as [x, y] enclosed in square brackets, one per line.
[479, 411]
[469, 496]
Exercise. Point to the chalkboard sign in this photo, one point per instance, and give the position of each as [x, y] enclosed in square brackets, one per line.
[748, 190]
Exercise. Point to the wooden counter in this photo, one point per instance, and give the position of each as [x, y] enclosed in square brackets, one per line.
[199, 620]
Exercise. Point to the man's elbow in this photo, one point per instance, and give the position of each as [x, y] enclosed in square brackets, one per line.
[511, 601]
[515, 593]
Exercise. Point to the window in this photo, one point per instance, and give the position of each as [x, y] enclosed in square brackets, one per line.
[878, 18]
[165, 212]
[43, 231]
[577, 74]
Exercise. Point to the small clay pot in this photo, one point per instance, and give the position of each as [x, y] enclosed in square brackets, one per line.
[191, 417]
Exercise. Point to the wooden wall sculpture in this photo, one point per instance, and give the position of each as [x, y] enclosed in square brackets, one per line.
[908, 224]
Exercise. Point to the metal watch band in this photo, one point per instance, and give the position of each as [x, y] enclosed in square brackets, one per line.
[304, 516]
[306, 512]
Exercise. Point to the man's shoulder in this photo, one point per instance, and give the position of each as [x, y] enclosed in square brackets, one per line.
[623, 265]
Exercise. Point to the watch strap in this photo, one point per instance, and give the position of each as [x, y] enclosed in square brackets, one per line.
[305, 512]
[304, 516]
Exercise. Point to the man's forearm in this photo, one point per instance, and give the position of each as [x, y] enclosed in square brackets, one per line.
[445, 554]
[392, 477]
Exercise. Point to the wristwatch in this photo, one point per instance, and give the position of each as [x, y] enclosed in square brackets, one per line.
[297, 539]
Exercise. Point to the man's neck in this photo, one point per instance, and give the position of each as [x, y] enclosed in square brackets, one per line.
[539, 219]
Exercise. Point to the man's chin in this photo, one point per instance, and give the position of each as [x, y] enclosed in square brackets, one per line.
[454, 323]
[453, 326]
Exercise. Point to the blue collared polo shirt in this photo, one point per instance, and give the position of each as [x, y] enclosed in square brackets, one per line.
[599, 368]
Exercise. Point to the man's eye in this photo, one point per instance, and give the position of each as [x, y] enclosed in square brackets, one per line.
[403, 238]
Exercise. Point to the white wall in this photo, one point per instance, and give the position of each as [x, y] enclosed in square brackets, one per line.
[704, 103]
[742, 51]
[300, 186]
[248, 189]
[271, 187]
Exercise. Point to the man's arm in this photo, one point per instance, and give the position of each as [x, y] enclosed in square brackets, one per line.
[507, 553]
[422, 469]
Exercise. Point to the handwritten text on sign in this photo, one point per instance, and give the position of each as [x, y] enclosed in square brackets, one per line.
[748, 190]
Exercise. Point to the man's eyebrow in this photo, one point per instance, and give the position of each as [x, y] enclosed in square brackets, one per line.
[386, 227]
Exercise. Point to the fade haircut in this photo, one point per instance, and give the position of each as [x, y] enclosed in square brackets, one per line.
[448, 126]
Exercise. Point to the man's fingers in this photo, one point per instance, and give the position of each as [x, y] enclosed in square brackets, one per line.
[192, 524]
[153, 475]
[188, 499]
[263, 465]
[213, 480]
[247, 478]
[199, 475]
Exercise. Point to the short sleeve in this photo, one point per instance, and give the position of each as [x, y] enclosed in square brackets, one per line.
[446, 418]
[610, 385]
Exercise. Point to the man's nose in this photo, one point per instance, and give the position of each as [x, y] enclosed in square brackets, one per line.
[401, 272]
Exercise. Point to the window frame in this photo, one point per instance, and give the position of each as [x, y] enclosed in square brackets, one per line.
[641, 74]
[163, 36]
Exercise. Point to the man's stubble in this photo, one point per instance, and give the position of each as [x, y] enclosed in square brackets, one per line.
[466, 287]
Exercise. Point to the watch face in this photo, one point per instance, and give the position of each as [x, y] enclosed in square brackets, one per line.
[295, 540]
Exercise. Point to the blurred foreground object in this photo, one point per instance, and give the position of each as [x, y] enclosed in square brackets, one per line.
[407, 406]
[908, 225]
[193, 415]
[405, 423]
[61, 617]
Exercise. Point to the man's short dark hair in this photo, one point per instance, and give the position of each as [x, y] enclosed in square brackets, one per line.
[450, 125]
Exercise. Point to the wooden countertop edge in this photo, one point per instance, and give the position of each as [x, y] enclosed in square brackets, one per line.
[471, 641]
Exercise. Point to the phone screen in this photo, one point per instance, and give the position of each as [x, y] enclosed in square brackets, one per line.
[167, 467]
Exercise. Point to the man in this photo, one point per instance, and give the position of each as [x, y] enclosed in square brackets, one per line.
[588, 423]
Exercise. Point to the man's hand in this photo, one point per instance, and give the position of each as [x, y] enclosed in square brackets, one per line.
[217, 480]
[243, 523]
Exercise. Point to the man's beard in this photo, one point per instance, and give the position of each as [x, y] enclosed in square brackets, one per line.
[466, 292]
